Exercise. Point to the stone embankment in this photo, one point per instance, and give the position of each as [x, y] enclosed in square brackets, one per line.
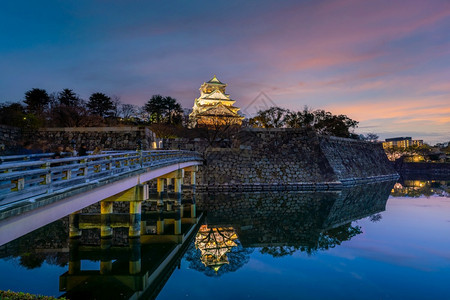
[259, 159]
[107, 138]
[263, 159]
[10, 139]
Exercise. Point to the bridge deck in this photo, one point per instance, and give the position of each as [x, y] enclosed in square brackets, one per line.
[45, 190]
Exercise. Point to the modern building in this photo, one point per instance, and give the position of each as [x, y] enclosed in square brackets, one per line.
[214, 107]
[401, 142]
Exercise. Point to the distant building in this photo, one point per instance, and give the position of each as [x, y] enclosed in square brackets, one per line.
[214, 107]
[442, 145]
[401, 142]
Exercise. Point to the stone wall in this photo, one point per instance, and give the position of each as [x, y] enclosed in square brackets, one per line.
[109, 138]
[195, 144]
[279, 158]
[353, 160]
[10, 139]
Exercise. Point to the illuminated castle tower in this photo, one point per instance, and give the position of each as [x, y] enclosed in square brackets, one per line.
[214, 107]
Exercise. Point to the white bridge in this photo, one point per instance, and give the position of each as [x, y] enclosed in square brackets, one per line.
[40, 190]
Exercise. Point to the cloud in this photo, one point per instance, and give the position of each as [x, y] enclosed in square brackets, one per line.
[371, 60]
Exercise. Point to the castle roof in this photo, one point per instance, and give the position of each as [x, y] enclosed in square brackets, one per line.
[216, 94]
[219, 109]
[214, 80]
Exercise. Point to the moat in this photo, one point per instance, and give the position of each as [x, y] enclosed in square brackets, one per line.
[384, 240]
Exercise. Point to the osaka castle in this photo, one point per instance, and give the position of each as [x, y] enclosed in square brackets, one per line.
[214, 107]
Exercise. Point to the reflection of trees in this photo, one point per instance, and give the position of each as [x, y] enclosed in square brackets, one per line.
[279, 251]
[334, 237]
[31, 260]
[42, 245]
[376, 218]
[217, 251]
[327, 239]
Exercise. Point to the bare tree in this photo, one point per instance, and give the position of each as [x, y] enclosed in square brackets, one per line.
[218, 131]
[128, 111]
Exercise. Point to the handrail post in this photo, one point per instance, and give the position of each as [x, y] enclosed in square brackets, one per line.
[47, 177]
[19, 184]
[109, 163]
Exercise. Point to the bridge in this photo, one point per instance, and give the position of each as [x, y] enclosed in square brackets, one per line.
[36, 190]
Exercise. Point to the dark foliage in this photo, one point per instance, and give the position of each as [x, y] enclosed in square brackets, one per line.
[164, 110]
[101, 105]
[323, 122]
[36, 101]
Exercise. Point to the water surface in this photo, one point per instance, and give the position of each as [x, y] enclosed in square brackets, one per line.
[377, 241]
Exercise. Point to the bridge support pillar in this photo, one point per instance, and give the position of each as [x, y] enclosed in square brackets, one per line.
[193, 210]
[135, 219]
[177, 185]
[74, 256]
[74, 225]
[134, 265]
[177, 222]
[193, 172]
[106, 209]
[160, 226]
[160, 201]
[139, 192]
[178, 176]
[160, 182]
[105, 265]
[160, 223]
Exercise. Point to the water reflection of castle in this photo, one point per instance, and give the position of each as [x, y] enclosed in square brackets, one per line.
[214, 244]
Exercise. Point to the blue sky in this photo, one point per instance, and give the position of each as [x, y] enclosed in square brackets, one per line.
[383, 63]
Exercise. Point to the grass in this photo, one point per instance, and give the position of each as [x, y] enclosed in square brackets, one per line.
[9, 295]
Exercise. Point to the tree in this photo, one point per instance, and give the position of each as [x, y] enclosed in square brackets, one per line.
[273, 117]
[69, 110]
[337, 125]
[370, 137]
[128, 111]
[12, 114]
[36, 101]
[219, 131]
[73, 116]
[299, 119]
[68, 98]
[174, 111]
[163, 110]
[155, 108]
[101, 105]
[117, 106]
[323, 122]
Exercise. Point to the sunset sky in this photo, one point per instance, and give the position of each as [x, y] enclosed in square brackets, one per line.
[383, 63]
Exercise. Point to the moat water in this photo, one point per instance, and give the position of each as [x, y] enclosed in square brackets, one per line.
[377, 241]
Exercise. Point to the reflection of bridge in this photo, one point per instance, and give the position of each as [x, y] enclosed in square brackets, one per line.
[35, 193]
[138, 269]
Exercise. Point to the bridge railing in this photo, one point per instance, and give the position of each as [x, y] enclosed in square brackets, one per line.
[25, 179]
